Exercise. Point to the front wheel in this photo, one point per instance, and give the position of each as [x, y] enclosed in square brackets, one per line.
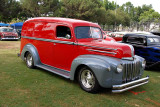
[88, 81]
[29, 60]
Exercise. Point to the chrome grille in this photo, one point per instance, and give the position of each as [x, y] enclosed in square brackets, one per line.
[131, 71]
[9, 36]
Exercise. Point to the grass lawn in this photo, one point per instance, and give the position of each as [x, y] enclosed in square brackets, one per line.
[23, 87]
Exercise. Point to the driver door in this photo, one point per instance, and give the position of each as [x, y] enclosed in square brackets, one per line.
[64, 49]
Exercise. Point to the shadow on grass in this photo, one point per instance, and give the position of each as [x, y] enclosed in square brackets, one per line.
[153, 69]
[56, 76]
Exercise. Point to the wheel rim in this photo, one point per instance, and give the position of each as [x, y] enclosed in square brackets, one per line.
[29, 60]
[87, 79]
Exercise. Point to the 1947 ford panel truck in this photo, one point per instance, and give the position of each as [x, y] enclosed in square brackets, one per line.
[75, 49]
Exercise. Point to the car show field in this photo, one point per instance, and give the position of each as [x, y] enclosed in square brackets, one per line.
[21, 86]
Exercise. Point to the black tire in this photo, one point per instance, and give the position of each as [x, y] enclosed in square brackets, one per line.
[87, 80]
[0, 38]
[29, 60]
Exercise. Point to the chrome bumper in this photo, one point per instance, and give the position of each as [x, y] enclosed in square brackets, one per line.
[129, 85]
[9, 38]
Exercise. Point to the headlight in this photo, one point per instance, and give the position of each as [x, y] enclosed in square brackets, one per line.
[144, 64]
[119, 68]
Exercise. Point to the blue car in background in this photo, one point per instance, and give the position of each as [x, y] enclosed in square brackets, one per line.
[146, 46]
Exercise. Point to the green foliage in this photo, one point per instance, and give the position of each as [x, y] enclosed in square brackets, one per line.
[149, 16]
[15, 20]
[122, 18]
[103, 12]
[111, 18]
[9, 9]
[110, 5]
[117, 17]
[90, 10]
[39, 8]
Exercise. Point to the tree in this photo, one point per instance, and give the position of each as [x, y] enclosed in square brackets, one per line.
[148, 17]
[41, 7]
[90, 10]
[9, 9]
[129, 9]
[110, 5]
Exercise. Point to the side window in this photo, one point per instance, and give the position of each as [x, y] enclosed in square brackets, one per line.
[63, 32]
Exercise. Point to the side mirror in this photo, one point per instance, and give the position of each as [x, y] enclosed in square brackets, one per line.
[68, 36]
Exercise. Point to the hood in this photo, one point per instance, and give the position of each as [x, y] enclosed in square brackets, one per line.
[108, 48]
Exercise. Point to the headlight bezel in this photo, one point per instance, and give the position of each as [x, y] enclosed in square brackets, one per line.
[143, 63]
[119, 68]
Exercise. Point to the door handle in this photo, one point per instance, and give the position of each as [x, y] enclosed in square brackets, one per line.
[54, 43]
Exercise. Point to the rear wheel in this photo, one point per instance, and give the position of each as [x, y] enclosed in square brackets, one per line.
[88, 81]
[29, 60]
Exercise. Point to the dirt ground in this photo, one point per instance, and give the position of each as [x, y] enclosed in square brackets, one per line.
[9, 44]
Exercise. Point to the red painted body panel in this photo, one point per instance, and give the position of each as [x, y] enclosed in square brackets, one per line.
[118, 38]
[61, 55]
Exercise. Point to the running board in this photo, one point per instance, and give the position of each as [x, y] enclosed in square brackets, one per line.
[60, 72]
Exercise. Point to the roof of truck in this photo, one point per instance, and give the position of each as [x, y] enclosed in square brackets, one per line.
[61, 20]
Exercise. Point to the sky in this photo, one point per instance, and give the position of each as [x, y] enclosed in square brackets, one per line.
[155, 3]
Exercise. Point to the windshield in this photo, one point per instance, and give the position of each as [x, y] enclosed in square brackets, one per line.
[6, 30]
[88, 32]
[153, 40]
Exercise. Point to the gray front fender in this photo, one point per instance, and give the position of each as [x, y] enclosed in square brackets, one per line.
[100, 68]
[31, 48]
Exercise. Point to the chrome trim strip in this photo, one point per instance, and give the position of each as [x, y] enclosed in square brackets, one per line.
[130, 85]
[49, 40]
[128, 58]
[102, 51]
[64, 42]
[97, 47]
[56, 68]
[56, 71]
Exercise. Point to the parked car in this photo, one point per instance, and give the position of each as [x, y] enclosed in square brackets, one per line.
[107, 38]
[75, 49]
[7, 33]
[117, 35]
[146, 46]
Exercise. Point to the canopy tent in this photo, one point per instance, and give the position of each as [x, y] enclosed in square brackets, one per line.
[17, 25]
[3, 24]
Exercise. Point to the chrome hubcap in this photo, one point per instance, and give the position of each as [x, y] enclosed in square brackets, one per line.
[29, 60]
[87, 79]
